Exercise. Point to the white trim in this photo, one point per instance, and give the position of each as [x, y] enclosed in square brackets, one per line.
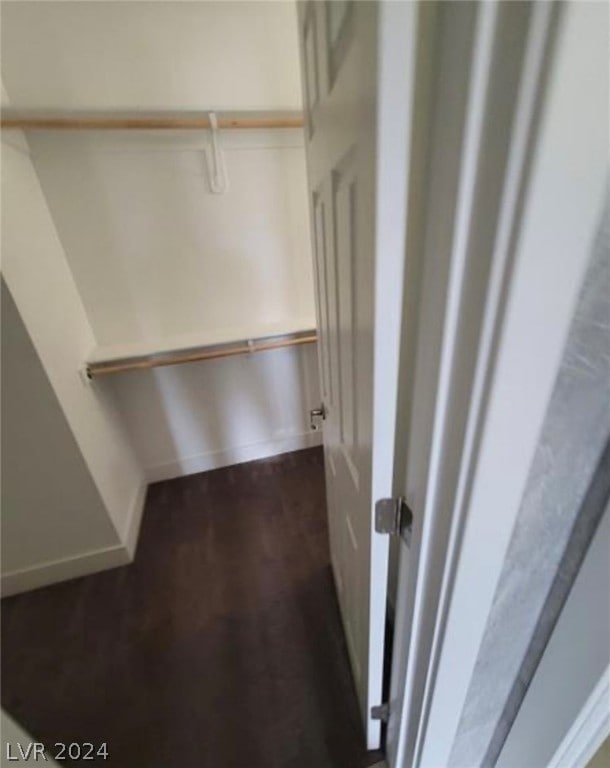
[450, 350]
[589, 730]
[134, 521]
[430, 748]
[518, 334]
[532, 339]
[238, 454]
[442, 69]
[84, 563]
[396, 38]
[54, 571]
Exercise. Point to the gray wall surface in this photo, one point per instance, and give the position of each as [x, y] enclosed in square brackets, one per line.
[562, 504]
[51, 508]
[569, 673]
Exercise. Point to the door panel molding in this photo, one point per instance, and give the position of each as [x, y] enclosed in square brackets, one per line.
[339, 14]
[344, 181]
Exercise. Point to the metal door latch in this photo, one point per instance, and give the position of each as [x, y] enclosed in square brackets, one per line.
[381, 712]
[394, 516]
[316, 417]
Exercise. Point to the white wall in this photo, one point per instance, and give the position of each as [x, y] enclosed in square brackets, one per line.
[38, 277]
[157, 257]
[201, 416]
[149, 55]
[52, 512]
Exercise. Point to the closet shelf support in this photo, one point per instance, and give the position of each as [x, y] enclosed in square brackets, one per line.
[197, 354]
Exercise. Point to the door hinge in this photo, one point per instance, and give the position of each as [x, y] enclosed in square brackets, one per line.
[381, 712]
[394, 516]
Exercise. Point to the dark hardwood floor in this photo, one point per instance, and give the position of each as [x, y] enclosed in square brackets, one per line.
[219, 647]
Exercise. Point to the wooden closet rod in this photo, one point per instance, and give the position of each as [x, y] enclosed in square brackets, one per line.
[194, 355]
[105, 121]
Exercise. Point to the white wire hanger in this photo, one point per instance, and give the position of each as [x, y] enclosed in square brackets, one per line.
[217, 171]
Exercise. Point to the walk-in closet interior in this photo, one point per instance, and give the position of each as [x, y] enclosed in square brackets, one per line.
[164, 504]
[156, 245]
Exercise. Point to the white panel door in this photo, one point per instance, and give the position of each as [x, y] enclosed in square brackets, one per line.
[339, 46]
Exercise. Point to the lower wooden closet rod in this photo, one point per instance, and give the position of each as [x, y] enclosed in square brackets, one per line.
[193, 355]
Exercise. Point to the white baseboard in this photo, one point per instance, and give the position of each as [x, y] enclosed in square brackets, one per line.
[55, 571]
[203, 462]
[83, 564]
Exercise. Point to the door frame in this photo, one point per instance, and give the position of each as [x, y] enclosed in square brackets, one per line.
[396, 28]
[485, 424]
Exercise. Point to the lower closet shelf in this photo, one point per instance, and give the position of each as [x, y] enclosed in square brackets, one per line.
[101, 364]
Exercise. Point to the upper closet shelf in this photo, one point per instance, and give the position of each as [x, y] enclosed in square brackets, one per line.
[190, 348]
[30, 120]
